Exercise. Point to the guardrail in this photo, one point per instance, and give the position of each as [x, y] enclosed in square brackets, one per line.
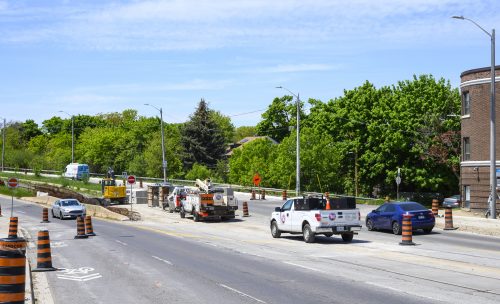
[269, 191]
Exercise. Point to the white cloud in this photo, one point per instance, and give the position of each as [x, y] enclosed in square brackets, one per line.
[291, 68]
[211, 24]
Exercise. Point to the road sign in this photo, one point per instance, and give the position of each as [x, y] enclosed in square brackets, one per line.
[256, 179]
[398, 180]
[12, 182]
[131, 179]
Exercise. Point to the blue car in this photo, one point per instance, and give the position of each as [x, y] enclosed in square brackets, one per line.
[389, 216]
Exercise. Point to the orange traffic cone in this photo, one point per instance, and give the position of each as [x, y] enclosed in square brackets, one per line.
[327, 204]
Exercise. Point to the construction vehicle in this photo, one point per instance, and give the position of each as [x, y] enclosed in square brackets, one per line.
[205, 202]
[112, 193]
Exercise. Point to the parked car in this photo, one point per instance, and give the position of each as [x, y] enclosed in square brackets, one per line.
[71, 208]
[452, 201]
[389, 216]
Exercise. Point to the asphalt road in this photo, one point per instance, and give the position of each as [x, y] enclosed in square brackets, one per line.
[206, 263]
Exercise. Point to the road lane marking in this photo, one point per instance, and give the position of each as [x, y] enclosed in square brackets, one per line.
[305, 267]
[164, 261]
[241, 293]
[78, 274]
[122, 243]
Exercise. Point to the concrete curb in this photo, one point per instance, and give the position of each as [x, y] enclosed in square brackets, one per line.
[93, 210]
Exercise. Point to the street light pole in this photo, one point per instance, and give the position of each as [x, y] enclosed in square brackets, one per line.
[297, 173]
[72, 136]
[493, 182]
[164, 163]
[3, 142]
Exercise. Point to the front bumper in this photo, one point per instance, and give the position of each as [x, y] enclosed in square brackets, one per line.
[73, 214]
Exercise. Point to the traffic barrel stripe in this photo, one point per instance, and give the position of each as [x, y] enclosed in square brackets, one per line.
[406, 238]
[13, 227]
[12, 275]
[245, 209]
[80, 229]
[45, 215]
[43, 254]
[88, 226]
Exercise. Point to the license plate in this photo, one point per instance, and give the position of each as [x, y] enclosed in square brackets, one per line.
[421, 217]
[340, 228]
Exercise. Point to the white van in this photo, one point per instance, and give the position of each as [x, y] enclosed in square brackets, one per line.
[76, 171]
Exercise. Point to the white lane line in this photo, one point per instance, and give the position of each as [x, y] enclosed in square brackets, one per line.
[241, 293]
[164, 261]
[305, 267]
[120, 242]
[19, 211]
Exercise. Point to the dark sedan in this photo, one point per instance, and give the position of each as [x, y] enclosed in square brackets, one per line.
[389, 216]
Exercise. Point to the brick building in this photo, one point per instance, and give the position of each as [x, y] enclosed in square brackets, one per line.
[475, 136]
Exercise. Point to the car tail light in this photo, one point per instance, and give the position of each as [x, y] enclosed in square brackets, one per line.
[318, 216]
[431, 214]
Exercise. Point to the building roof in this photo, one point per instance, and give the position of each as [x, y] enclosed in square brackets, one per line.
[245, 141]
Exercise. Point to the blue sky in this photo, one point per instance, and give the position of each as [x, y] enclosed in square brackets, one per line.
[89, 57]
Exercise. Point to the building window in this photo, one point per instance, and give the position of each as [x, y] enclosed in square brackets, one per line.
[466, 147]
[466, 200]
[466, 103]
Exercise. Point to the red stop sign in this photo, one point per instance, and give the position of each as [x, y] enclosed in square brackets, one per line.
[131, 179]
[12, 182]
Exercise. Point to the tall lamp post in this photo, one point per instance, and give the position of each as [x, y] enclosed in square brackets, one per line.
[164, 163]
[297, 177]
[3, 142]
[493, 183]
[72, 136]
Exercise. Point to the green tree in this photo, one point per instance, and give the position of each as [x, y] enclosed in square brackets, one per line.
[224, 124]
[244, 131]
[53, 125]
[247, 160]
[198, 171]
[202, 139]
[279, 118]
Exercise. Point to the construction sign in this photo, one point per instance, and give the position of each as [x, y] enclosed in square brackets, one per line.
[256, 179]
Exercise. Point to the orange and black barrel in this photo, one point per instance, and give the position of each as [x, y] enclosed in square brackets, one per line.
[407, 231]
[80, 228]
[245, 209]
[13, 244]
[88, 226]
[13, 227]
[45, 215]
[253, 195]
[263, 194]
[283, 195]
[43, 254]
[12, 275]
[435, 207]
[448, 219]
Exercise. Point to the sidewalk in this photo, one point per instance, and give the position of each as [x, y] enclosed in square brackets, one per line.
[471, 221]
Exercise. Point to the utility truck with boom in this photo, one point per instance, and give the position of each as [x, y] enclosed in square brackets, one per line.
[208, 202]
[313, 215]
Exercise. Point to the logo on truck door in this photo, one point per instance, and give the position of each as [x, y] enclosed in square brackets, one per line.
[282, 217]
[332, 216]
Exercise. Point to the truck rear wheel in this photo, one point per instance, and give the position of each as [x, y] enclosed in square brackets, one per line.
[308, 234]
[275, 232]
[347, 237]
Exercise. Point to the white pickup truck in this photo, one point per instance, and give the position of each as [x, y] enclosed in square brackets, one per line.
[308, 216]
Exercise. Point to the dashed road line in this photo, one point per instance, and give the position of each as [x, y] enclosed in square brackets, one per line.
[122, 243]
[241, 293]
[160, 259]
[302, 266]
